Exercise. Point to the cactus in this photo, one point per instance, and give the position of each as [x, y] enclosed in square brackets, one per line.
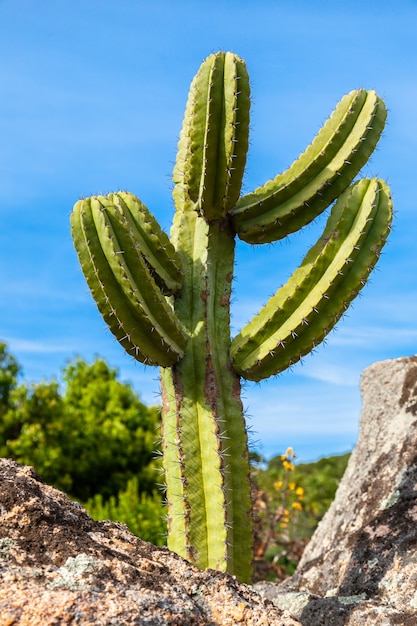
[167, 300]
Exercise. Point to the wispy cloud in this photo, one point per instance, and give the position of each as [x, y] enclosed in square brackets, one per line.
[333, 373]
[28, 346]
[367, 337]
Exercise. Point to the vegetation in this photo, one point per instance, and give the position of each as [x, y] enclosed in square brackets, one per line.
[144, 514]
[290, 500]
[96, 441]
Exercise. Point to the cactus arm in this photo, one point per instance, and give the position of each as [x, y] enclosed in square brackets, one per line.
[305, 309]
[101, 283]
[136, 311]
[214, 138]
[103, 289]
[318, 176]
[204, 438]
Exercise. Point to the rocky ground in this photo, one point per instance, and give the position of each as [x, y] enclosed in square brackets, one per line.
[58, 566]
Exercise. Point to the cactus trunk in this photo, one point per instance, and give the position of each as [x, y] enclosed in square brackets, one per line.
[205, 451]
[167, 300]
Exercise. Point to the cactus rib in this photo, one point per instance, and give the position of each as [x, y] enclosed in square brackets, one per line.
[294, 198]
[306, 308]
[150, 241]
[134, 308]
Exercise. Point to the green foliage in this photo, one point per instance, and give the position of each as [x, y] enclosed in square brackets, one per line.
[33, 431]
[90, 440]
[318, 479]
[113, 433]
[9, 371]
[143, 514]
[289, 501]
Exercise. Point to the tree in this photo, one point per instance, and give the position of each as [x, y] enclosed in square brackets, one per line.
[9, 371]
[113, 433]
[91, 440]
[31, 430]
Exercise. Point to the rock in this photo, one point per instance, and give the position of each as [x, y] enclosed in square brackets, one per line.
[361, 564]
[58, 566]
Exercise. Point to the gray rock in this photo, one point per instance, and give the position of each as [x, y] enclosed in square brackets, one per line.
[58, 566]
[361, 564]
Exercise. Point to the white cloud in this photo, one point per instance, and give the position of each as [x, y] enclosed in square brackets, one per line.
[30, 346]
[284, 402]
[369, 336]
[332, 373]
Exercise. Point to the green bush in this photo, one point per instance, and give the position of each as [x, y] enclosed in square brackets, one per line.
[318, 480]
[92, 439]
[9, 372]
[145, 515]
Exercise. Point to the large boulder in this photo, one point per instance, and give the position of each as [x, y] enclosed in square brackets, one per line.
[361, 564]
[58, 566]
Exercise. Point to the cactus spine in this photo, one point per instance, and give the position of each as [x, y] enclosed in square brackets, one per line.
[168, 300]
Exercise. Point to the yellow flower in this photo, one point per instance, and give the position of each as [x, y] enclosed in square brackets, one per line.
[283, 525]
[299, 492]
[291, 486]
[278, 484]
[297, 505]
[288, 466]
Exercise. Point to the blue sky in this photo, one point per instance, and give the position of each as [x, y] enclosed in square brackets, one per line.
[92, 99]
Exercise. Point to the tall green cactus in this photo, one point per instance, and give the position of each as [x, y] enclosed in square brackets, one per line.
[167, 300]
